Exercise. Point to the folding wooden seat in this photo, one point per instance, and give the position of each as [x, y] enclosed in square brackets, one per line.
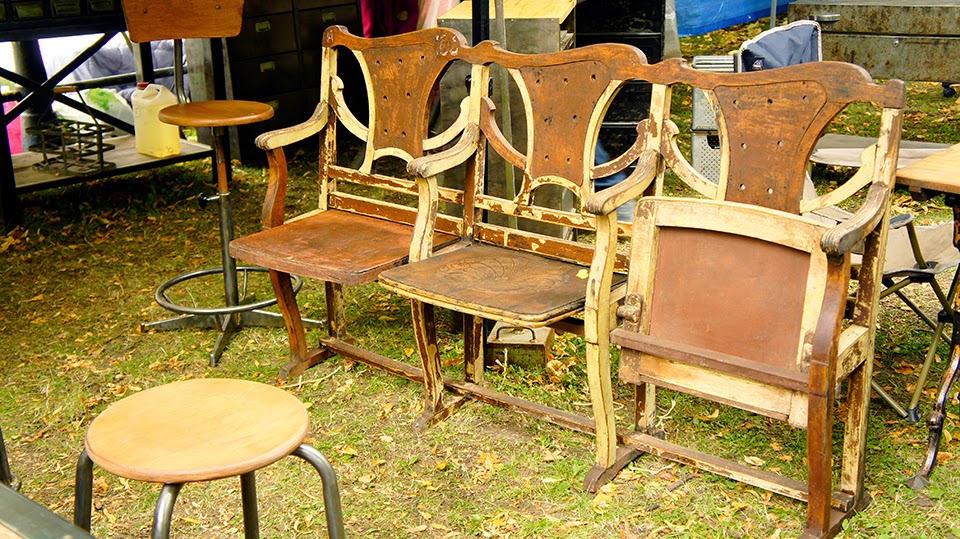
[507, 266]
[740, 299]
[362, 224]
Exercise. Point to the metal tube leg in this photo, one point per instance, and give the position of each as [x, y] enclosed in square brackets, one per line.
[331, 491]
[248, 493]
[164, 511]
[83, 492]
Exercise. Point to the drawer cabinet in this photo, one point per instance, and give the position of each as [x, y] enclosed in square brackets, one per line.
[909, 40]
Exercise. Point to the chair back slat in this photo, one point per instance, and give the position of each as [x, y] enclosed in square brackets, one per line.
[401, 76]
[565, 96]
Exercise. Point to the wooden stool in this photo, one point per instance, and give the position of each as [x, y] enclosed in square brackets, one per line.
[201, 430]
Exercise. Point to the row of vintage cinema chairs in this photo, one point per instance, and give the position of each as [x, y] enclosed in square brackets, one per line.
[728, 292]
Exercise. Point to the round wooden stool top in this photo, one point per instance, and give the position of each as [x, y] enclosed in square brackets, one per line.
[197, 430]
[223, 113]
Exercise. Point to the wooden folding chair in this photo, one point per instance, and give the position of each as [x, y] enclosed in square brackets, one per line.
[363, 224]
[739, 299]
[506, 267]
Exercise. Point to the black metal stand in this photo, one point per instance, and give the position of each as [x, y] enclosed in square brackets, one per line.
[938, 414]
[237, 312]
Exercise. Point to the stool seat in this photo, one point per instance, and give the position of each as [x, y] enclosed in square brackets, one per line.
[197, 430]
[216, 113]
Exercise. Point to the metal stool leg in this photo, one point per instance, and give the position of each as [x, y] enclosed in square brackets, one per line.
[248, 493]
[164, 511]
[331, 491]
[237, 312]
[83, 492]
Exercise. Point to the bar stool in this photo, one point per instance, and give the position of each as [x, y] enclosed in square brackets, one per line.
[147, 21]
[201, 430]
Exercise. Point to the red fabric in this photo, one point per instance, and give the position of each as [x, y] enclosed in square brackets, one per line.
[389, 17]
[13, 130]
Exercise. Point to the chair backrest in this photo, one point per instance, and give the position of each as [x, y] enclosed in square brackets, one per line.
[565, 96]
[149, 20]
[400, 74]
[769, 123]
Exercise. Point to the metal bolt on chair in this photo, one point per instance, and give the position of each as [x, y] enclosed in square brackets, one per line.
[149, 21]
[201, 430]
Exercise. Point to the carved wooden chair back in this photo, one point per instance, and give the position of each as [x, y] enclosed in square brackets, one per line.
[739, 299]
[400, 76]
[769, 123]
[565, 97]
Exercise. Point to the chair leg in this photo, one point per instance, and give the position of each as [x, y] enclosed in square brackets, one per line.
[331, 490]
[819, 480]
[163, 514]
[473, 348]
[601, 395]
[83, 492]
[425, 331]
[287, 301]
[248, 496]
[855, 432]
[302, 357]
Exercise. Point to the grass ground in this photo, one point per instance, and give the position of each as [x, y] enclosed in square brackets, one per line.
[77, 280]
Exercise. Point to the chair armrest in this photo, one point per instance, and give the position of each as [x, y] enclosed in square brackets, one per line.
[272, 140]
[433, 164]
[631, 187]
[844, 237]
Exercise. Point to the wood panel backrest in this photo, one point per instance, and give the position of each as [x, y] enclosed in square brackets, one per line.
[565, 95]
[150, 20]
[400, 76]
[769, 122]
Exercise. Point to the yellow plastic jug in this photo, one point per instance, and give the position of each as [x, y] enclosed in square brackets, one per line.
[153, 137]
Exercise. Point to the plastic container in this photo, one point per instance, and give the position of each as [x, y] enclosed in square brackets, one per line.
[153, 137]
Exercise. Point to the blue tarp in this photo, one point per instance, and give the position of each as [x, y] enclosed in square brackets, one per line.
[695, 17]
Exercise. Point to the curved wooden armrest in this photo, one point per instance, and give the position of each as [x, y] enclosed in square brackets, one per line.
[272, 140]
[845, 236]
[631, 187]
[431, 165]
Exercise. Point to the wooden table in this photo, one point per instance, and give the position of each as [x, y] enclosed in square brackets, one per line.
[938, 173]
[21, 518]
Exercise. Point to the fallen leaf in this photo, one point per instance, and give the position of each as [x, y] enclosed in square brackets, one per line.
[754, 461]
[715, 414]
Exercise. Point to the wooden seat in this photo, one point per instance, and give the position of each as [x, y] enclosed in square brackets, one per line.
[740, 299]
[364, 247]
[198, 430]
[364, 223]
[226, 113]
[488, 275]
[520, 274]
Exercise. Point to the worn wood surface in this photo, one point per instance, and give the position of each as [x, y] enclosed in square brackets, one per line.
[197, 430]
